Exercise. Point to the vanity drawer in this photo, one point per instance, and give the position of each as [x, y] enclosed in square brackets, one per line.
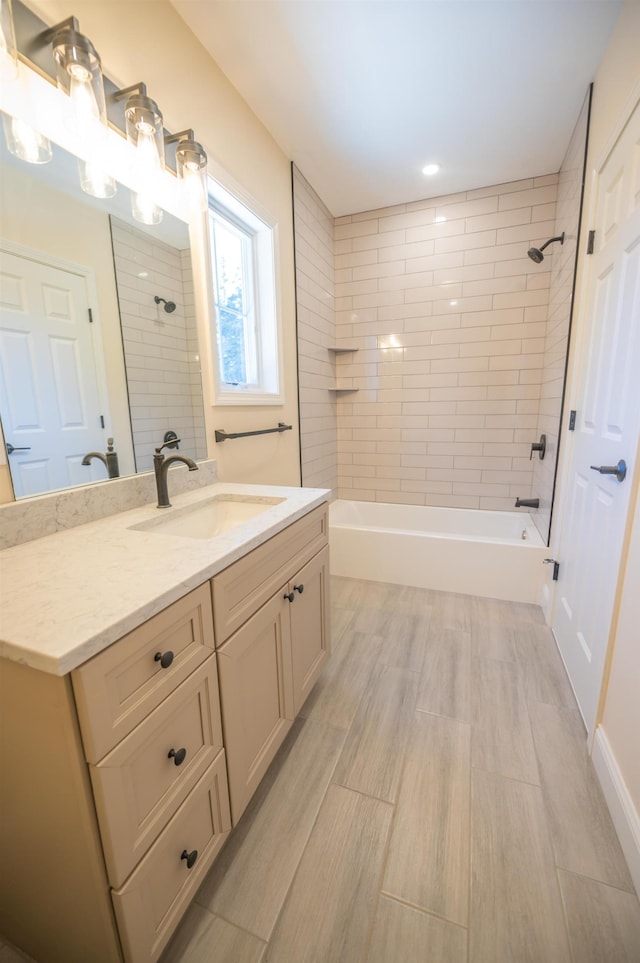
[138, 786]
[116, 689]
[243, 587]
[150, 904]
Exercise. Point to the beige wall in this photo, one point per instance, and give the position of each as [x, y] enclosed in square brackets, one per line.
[450, 316]
[147, 40]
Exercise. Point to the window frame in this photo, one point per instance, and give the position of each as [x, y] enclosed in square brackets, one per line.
[247, 216]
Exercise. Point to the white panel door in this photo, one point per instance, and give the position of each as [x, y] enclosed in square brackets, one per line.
[607, 426]
[48, 390]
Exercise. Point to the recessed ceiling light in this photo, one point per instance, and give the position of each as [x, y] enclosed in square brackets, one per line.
[431, 169]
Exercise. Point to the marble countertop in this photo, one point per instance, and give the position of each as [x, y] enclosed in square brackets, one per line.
[67, 596]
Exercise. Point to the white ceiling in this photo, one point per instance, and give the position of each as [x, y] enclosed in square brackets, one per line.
[361, 94]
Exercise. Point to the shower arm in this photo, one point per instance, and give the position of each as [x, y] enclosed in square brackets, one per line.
[551, 240]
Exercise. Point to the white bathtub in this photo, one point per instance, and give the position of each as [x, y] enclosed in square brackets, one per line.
[492, 554]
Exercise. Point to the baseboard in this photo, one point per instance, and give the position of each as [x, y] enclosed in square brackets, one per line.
[623, 812]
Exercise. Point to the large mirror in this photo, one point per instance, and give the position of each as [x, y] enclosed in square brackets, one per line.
[97, 332]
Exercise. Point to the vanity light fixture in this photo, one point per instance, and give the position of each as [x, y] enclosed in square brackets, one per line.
[22, 140]
[144, 130]
[79, 74]
[191, 160]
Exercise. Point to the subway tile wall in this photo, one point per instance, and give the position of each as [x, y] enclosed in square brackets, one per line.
[557, 337]
[161, 349]
[449, 316]
[313, 226]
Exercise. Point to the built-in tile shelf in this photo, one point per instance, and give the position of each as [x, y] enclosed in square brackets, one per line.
[343, 387]
[342, 348]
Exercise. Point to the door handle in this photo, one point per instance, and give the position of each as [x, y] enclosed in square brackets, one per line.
[11, 449]
[619, 470]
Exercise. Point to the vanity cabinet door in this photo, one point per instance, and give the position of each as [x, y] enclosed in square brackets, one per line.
[310, 635]
[256, 697]
[156, 895]
[141, 783]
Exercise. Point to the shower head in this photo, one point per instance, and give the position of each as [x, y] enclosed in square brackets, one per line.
[535, 253]
[169, 306]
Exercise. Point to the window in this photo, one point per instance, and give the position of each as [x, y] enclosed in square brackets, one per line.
[246, 337]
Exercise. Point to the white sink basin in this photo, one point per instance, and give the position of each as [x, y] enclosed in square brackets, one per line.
[208, 518]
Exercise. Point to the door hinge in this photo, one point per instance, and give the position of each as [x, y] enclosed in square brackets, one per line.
[572, 419]
[556, 567]
[591, 242]
[90, 313]
[102, 421]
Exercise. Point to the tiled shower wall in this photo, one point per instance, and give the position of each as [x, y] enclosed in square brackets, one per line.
[161, 349]
[313, 225]
[449, 316]
[557, 338]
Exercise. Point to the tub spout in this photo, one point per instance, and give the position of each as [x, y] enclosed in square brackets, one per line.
[527, 503]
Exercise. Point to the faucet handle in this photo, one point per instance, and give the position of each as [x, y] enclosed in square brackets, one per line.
[167, 444]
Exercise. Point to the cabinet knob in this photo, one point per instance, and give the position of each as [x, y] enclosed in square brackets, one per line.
[298, 588]
[190, 857]
[178, 756]
[289, 595]
[164, 658]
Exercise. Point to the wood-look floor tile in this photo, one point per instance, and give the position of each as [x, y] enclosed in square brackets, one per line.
[8, 954]
[501, 740]
[402, 933]
[604, 923]
[445, 680]
[545, 677]
[248, 883]
[203, 937]
[373, 754]
[330, 907]
[492, 637]
[404, 636]
[335, 696]
[428, 861]
[451, 611]
[583, 836]
[341, 620]
[516, 911]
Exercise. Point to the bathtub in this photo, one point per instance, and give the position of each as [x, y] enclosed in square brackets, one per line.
[492, 554]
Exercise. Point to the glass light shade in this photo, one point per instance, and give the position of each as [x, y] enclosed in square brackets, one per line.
[144, 131]
[144, 208]
[8, 52]
[79, 74]
[191, 160]
[94, 180]
[25, 142]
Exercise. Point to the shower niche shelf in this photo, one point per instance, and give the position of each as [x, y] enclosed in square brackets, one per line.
[342, 348]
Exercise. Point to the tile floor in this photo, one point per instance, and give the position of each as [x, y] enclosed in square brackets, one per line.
[434, 803]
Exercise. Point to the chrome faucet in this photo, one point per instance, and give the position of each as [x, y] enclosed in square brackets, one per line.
[161, 466]
[110, 460]
[527, 503]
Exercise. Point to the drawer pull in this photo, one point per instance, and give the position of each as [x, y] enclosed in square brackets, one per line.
[289, 595]
[164, 658]
[178, 756]
[298, 588]
[190, 857]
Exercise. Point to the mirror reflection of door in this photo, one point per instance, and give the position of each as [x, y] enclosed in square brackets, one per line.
[49, 396]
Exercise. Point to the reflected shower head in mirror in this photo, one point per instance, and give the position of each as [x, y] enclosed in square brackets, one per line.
[169, 306]
[535, 253]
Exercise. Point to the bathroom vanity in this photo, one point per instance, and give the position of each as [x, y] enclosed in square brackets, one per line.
[147, 680]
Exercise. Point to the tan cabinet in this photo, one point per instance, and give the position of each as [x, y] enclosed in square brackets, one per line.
[118, 788]
[270, 663]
